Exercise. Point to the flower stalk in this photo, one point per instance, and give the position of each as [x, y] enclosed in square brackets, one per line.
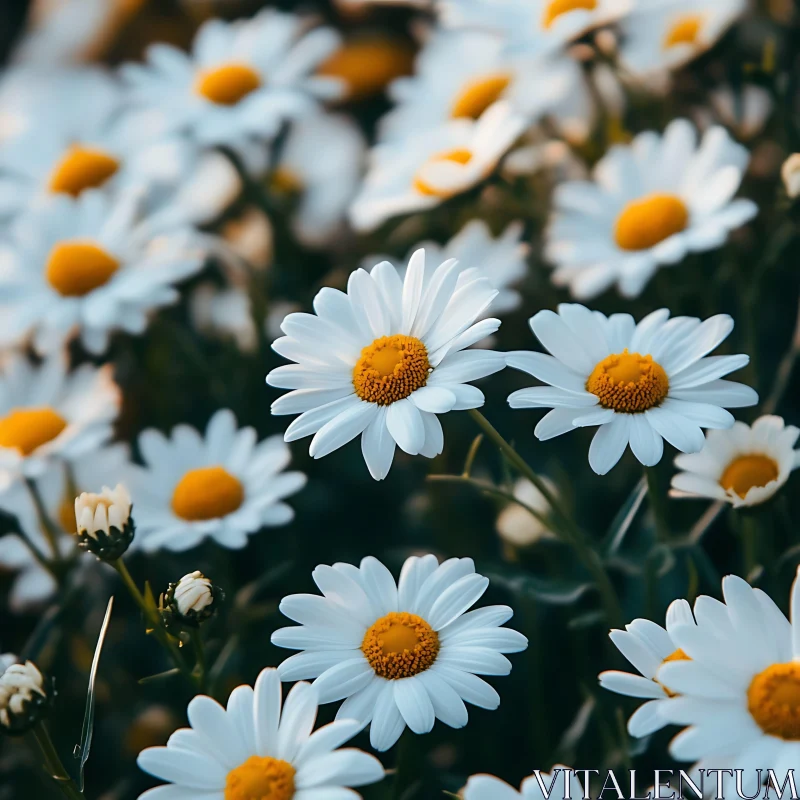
[53, 764]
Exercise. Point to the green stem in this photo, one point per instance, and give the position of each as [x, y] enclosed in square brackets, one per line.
[200, 655]
[53, 765]
[408, 761]
[657, 505]
[751, 530]
[785, 369]
[48, 528]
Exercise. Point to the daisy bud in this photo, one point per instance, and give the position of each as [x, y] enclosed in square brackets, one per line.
[105, 525]
[23, 698]
[790, 172]
[193, 599]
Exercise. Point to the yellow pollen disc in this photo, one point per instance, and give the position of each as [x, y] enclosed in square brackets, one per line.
[367, 65]
[460, 156]
[400, 645]
[678, 655]
[26, 429]
[261, 778]
[685, 30]
[285, 181]
[76, 268]
[228, 84]
[478, 95]
[555, 8]
[746, 472]
[207, 493]
[644, 223]
[82, 168]
[390, 369]
[773, 700]
[628, 382]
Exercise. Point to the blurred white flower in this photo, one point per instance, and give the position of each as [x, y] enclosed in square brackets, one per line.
[422, 171]
[640, 383]
[255, 748]
[743, 466]
[561, 781]
[790, 174]
[401, 653]
[224, 312]
[87, 268]
[22, 693]
[745, 112]
[221, 486]
[648, 205]
[383, 360]
[515, 524]
[251, 238]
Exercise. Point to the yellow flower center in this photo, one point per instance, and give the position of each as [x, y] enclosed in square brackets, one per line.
[773, 700]
[82, 168]
[555, 8]
[400, 645]
[745, 472]
[478, 95]
[390, 369]
[228, 84]
[678, 655]
[644, 223]
[628, 382]
[261, 778]
[685, 30]
[285, 181]
[207, 493]
[459, 156]
[367, 65]
[26, 429]
[76, 268]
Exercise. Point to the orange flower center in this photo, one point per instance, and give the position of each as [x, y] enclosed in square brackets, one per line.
[678, 655]
[628, 382]
[390, 369]
[685, 30]
[747, 472]
[207, 493]
[82, 168]
[76, 268]
[644, 223]
[228, 84]
[478, 95]
[773, 700]
[26, 429]
[555, 8]
[261, 778]
[400, 645]
[459, 156]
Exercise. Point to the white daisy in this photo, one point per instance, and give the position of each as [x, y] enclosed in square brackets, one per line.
[560, 782]
[743, 466]
[665, 34]
[88, 267]
[402, 654]
[739, 694]
[420, 172]
[384, 359]
[221, 486]
[57, 487]
[647, 646]
[47, 414]
[640, 383]
[745, 111]
[320, 162]
[257, 749]
[515, 523]
[242, 80]
[224, 313]
[650, 204]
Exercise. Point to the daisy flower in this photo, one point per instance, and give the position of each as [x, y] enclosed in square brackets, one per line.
[743, 466]
[515, 523]
[88, 267]
[242, 80]
[647, 646]
[560, 782]
[739, 694]
[648, 205]
[401, 654]
[665, 34]
[421, 171]
[639, 383]
[259, 747]
[384, 359]
[57, 487]
[48, 414]
[222, 486]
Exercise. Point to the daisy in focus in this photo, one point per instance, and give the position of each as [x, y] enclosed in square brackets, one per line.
[649, 205]
[222, 486]
[666, 34]
[384, 359]
[89, 267]
[647, 646]
[560, 782]
[743, 466]
[423, 170]
[259, 747]
[401, 653]
[48, 414]
[242, 80]
[640, 383]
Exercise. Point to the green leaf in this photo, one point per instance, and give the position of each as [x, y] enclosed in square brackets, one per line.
[624, 518]
[159, 676]
[553, 591]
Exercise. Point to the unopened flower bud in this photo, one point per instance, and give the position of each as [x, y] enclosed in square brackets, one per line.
[24, 698]
[105, 525]
[790, 172]
[193, 599]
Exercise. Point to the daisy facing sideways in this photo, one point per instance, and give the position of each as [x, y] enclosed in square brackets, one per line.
[640, 383]
[401, 653]
[222, 486]
[255, 748]
[382, 360]
[743, 466]
[560, 782]
[649, 204]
